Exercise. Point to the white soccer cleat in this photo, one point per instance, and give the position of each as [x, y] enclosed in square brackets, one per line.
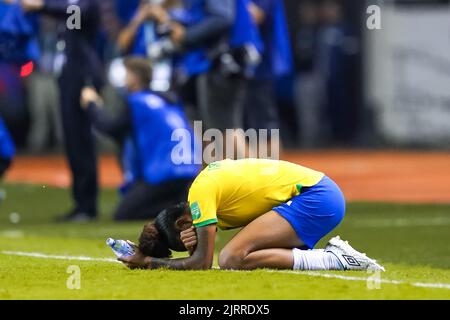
[349, 257]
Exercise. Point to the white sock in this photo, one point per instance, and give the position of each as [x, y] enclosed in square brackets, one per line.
[316, 259]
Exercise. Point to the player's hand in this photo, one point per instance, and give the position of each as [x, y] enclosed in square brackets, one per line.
[189, 239]
[88, 95]
[136, 261]
[134, 245]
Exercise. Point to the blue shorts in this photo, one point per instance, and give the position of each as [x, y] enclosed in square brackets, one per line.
[315, 211]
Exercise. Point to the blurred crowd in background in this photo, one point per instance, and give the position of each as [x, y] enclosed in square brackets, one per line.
[312, 96]
[69, 66]
[138, 70]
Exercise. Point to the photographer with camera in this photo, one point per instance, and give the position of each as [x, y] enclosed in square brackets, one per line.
[212, 46]
[149, 33]
[143, 129]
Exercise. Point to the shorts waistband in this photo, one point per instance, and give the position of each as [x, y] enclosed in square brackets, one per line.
[306, 189]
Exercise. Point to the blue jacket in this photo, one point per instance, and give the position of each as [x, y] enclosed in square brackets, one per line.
[277, 54]
[18, 40]
[7, 149]
[210, 21]
[148, 151]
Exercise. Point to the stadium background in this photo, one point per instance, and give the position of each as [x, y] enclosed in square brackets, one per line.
[391, 157]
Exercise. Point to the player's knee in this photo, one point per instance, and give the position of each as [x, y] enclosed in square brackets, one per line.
[229, 259]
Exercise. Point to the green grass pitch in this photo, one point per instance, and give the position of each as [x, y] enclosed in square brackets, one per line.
[411, 241]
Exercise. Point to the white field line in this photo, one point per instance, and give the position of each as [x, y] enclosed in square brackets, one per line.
[348, 278]
[304, 273]
[57, 257]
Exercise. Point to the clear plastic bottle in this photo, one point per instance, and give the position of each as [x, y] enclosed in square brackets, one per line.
[121, 248]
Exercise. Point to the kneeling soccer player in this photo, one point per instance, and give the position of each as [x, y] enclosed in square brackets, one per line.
[284, 209]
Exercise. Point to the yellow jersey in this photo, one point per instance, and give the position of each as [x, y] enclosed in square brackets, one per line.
[232, 193]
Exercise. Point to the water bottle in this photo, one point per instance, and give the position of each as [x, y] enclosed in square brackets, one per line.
[121, 248]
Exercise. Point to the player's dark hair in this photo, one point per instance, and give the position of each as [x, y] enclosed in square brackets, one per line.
[158, 237]
[166, 225]
[151, 243]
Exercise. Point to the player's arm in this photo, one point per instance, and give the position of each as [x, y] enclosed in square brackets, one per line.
[201, 258]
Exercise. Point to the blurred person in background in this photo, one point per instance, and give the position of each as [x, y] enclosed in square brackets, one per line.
[110, 29]
[18, 52]
[204, 39]
[147, 32]
[337, 48]
[42, 91]
[309, 84]
[15, 37]
[261, 110]
[7, 152]
[135, 15]
[220, 48]
[144, 129]
[7, 149]
[325, 51]
[81, 66]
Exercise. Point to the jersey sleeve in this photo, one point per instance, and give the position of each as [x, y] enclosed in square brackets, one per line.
[203, 204]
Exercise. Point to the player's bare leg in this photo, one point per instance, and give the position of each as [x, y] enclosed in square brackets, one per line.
[266, 242]
[270, 242]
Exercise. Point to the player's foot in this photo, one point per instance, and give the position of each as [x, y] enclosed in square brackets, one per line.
[349, 257]
[76, 217]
